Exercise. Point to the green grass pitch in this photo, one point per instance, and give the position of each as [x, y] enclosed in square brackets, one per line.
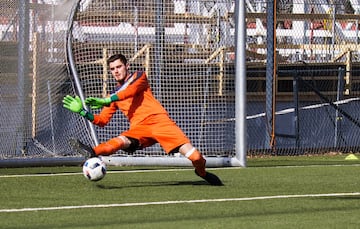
[277, 192]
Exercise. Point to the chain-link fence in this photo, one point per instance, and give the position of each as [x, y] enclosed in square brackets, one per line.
[315, 88]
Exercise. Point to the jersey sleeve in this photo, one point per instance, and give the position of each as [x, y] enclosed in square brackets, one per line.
[105, 115]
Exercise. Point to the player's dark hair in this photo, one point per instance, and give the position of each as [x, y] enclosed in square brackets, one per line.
[119, 56]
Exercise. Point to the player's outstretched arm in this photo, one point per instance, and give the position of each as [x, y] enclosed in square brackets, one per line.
[97, 103]
[74, 104]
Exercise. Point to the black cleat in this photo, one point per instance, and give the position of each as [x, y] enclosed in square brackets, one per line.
[81, 148]
[211, 178]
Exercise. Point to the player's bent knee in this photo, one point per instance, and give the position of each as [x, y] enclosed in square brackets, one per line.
[195, 156]
[125, 140]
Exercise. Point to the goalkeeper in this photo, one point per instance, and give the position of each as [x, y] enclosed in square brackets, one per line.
[149, 121]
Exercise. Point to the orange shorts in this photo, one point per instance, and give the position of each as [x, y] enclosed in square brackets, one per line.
[158, 129]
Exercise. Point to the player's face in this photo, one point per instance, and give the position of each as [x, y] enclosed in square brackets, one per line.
[119, 70]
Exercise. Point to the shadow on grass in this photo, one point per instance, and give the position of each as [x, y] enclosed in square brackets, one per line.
[152, 184]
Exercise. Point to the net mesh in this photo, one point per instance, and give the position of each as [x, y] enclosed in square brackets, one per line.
[34, 81]
[180, 47]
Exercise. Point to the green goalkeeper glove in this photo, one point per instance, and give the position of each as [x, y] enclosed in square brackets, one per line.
[97, 103]
[75, 105]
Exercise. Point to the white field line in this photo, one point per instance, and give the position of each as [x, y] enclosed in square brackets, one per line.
[165, 202]
[177, 202]
[170, 170]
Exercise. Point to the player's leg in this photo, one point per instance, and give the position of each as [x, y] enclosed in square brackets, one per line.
[199, 162]
[111, 146]
[105, 148]
[172, 138]
[195, 157]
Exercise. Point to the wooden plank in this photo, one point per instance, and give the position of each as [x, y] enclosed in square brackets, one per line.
[110, 18]
[304, 16]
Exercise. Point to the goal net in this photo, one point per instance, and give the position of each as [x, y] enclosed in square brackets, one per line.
[186, 49]
[34, 79]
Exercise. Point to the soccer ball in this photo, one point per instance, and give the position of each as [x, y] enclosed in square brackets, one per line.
[94, 169]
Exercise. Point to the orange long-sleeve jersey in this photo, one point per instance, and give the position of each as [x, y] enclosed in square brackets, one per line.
[136, 101]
